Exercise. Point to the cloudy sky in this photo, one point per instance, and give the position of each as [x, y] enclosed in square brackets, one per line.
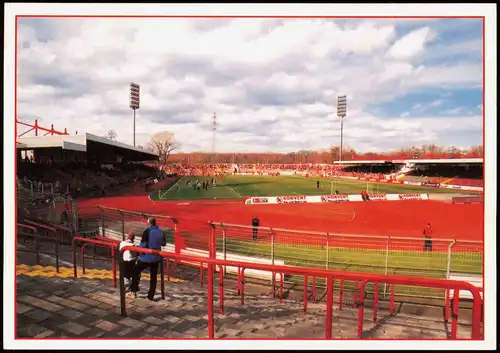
[273, 83]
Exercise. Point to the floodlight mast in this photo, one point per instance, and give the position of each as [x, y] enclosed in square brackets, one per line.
[134, 100]
[341, 113]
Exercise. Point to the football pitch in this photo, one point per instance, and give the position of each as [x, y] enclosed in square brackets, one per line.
[235, 187]
[346, 258]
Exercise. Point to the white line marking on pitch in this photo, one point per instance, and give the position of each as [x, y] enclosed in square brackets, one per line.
[170, 188]
[236, 192]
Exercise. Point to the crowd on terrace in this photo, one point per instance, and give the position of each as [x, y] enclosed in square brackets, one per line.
[78, 179]
[470, 175]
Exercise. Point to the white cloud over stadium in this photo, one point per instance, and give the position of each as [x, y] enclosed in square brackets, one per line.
[272, 82]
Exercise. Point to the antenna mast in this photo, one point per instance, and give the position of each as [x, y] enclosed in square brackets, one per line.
[214, 131]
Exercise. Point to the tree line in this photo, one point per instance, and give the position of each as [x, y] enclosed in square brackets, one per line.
[165, 145]
[325, 156]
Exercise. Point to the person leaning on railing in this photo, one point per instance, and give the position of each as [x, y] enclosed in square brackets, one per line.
[129, 258]
[152, 238]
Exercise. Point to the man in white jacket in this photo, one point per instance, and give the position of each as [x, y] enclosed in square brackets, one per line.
[129, 258]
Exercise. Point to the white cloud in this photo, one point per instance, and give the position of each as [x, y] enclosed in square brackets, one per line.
[436, 103]
[454, 111]
[273, 83]
[411, 44]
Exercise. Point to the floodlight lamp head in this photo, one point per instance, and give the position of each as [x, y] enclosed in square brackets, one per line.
[341, 106]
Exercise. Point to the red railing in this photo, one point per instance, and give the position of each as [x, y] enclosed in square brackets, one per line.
[329, 275]
[35, 127]
[107, 244]
[25, 226]
[38, 237]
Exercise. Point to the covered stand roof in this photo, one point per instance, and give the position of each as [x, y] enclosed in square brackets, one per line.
[418, 161]
[91, 144]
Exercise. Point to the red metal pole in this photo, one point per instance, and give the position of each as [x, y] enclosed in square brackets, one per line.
[329, 308]
[361, 304]
[305, 293]
[238, 285]
[274, 284]
[341, 293]
[375, 301]
[36, 127]
[281, 287]
[454, 313]
[242, 286]
[82, 255]
[392, 299]
[221, 289]
[201, 275]
[314, 289]
[210, 297]
[113, 266]
[168, 269]
[355, 295]
[75, 272]
[447, 306]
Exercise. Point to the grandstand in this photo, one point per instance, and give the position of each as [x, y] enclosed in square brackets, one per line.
[462, 173]
[79, 165]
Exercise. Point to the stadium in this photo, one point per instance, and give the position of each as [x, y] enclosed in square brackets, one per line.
[249, 178]
[345, 237]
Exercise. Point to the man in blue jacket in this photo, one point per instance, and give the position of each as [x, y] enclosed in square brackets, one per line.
[152, 238]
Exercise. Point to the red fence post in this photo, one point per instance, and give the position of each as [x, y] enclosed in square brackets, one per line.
[210, 297]
[238, 285]
[361, 305]
[447, 305]
[168, 269]
[242, 285]
[392, 300]
[82, 255]
[375, 301]
[454, 313]
[305, 293]
[314, 289]
[341, 293]
[75, 272]
[329, 308]
[221, 289]
[282, 275]
[113, 266]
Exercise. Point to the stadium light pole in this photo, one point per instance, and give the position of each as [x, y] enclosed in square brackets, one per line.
[134, 100]
[341, 113]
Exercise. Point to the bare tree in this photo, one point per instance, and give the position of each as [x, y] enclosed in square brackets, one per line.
[111, 135]
[163, 143]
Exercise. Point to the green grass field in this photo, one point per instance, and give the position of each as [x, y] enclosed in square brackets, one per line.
[400, 262]
[409, 263]
[238, 187]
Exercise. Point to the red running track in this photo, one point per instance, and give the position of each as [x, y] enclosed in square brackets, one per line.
[383, 218]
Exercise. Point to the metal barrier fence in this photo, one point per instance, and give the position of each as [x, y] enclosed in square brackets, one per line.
[349, 252]
[301, 274]
[329, 277]
[322, 250]
[116, 223]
